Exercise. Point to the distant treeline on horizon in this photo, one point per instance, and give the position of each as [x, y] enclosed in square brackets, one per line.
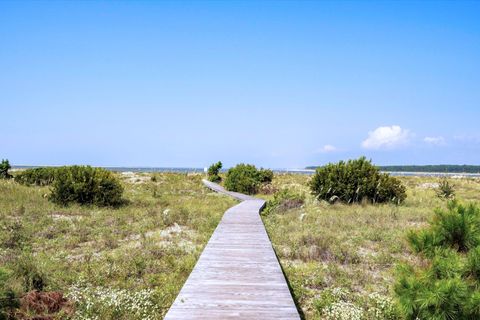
[440, 168]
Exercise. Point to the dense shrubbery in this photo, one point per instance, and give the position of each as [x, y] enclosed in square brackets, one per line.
[213, 172]
[4, 167]
[36, 176]
[86, 185]
[284, 200]
[354, 181]
[447, 285]
[246, 178]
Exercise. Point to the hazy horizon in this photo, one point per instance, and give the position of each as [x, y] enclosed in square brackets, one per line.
[277, 84]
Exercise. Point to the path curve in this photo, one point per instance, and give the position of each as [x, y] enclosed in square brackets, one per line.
[238, 275]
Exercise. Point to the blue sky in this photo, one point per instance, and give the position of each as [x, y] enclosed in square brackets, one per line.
[277, 84]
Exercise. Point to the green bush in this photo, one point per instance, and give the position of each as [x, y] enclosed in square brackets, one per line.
[445, 189]
[355, 181]
[36, 176]
[284, 200]
[447, 284]
[213, 172]
[86, 185]
[246, 178]
[265, 175]
[4, 167]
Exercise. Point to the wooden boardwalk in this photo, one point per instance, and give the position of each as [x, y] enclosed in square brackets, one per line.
[238, 275]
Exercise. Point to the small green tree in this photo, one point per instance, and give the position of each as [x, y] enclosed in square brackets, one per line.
[213, 172]
[447, 284]
[4, 167]
[445, 189]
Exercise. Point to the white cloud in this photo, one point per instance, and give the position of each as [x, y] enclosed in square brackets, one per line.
[437, 141]
[328, 148]
[386, 138]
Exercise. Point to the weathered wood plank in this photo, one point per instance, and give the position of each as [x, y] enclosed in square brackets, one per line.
[238, 275]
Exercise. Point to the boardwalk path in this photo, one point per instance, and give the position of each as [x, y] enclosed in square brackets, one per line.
[238, 275]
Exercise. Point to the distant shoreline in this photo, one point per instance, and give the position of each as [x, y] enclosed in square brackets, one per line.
[434, 169]
[307, 171]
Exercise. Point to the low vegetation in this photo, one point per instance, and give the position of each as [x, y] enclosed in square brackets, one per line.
[356, 181]
[362, 259]
[213, 172]
[247, 179]
[341, 259]
[284, 200]
[95, 262]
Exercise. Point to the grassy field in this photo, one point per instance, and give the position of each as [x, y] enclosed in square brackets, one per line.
[126, 263]
[130, 262]
[348, 253]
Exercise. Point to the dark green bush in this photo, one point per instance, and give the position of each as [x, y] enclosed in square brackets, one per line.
[447, 284]
[4, 167]
[265, 175]
[445, 189]
[37, 176]
[354, 181]
[284, 200]
[213, 172]
[86, 185]
[246, 178]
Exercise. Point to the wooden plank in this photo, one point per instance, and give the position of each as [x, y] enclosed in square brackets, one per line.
[238, 275]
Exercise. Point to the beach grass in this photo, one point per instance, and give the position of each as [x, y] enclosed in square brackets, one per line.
[353, 249]
[130, 262]
[143, 250]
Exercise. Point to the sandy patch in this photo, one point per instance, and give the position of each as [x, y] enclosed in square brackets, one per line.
[135, 178]
[428, 185]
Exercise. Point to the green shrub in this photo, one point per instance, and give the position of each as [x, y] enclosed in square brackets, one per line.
[86, 185]
[446, 285]
[445, 189]
[37, 176]
[284, 200]
[354, 181]
[213, 172]
[265, 175]
[246, 178]
[458, 228]
[4, 167]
